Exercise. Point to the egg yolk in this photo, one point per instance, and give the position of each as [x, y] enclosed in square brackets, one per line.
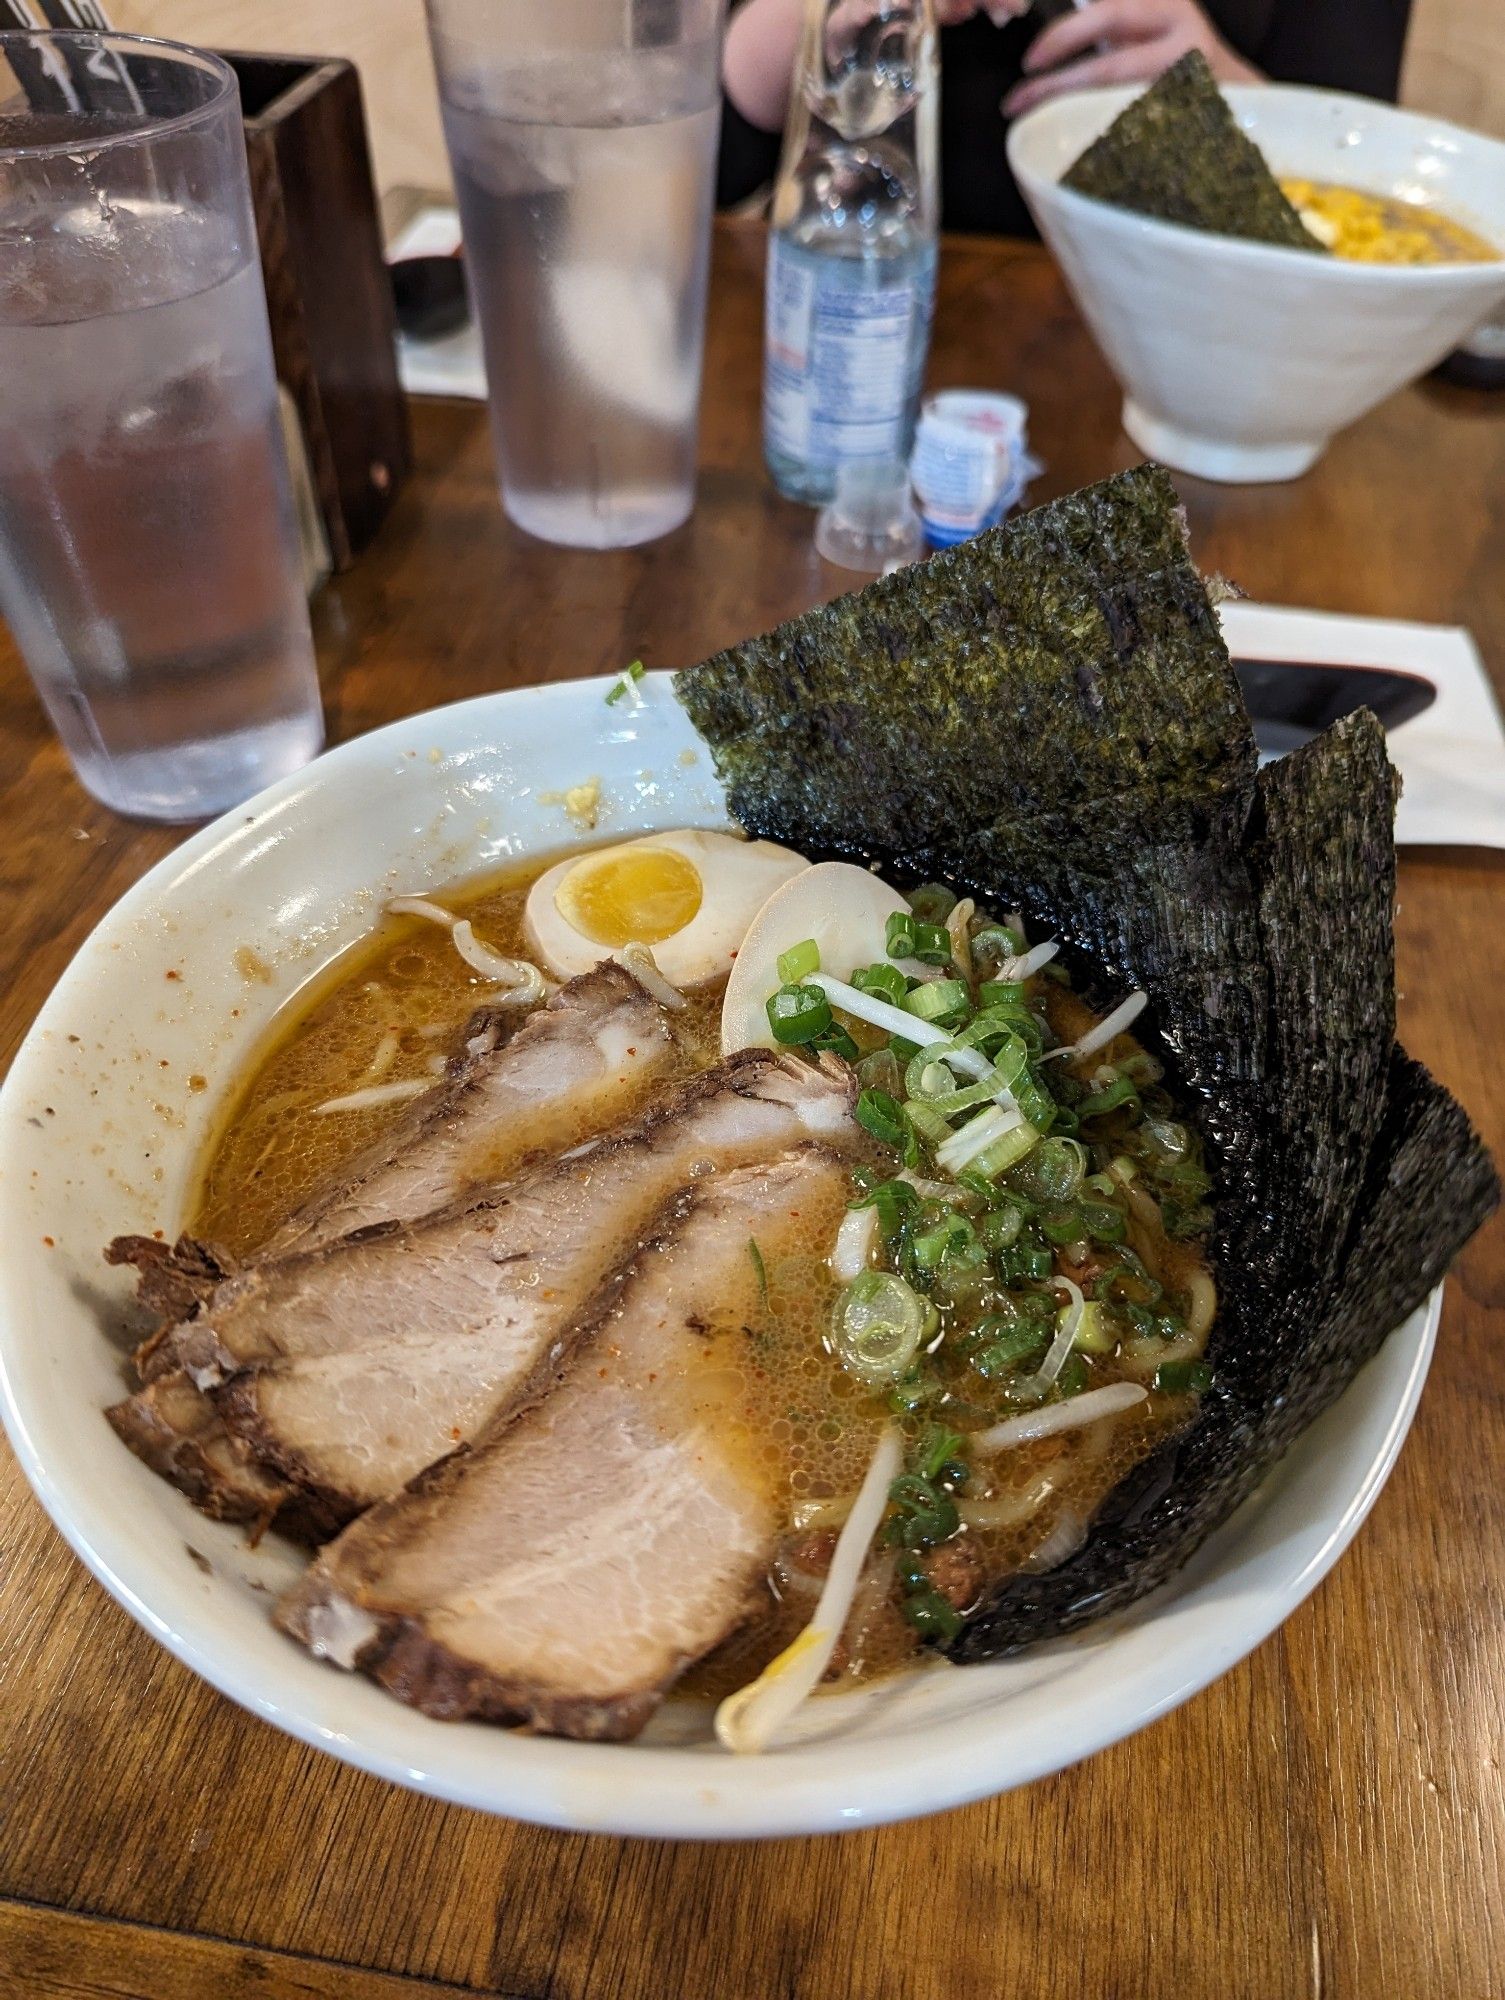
[637, 895]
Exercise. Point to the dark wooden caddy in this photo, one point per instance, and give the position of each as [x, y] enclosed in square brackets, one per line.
[326, 283]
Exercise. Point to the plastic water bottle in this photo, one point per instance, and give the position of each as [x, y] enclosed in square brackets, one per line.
[852, 250]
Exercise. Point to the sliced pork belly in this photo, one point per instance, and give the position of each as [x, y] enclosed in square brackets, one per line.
[179, 1433]
[584, 1059]
[349, 1369]
[565, 1570]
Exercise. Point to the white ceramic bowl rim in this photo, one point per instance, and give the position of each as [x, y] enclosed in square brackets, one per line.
[956, 1734]
[1241, 248]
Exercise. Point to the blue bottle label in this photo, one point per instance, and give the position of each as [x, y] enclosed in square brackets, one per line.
[841, 352]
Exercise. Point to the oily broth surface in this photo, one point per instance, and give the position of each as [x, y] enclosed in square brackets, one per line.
[274, 1149]
[810, 1426]
[1381, 229]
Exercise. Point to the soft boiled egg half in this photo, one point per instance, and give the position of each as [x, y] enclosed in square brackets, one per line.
[689, 896]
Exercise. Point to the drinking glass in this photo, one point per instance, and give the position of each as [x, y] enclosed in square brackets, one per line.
[582, 136]
[149, 557]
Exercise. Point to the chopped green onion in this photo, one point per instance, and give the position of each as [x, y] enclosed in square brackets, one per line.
[899, 935]
[1037, 1104]
[1054, 1174]
[1000, 993]
[926, 1077]
[929, 1124]
[1063, 1225]
[937, 1445]
[997, 941]
[1180, 1378]
[887, 981]
[1006, 1151]
[1001, 1226]
[1025, 1261]
[881, 1115]
[1115, 1094]
[914, 1389]
[1183, 1224]
[878, 1328]
[962, 1147]
[1103, 1222]
[759, 1266]
[799, 962]
[839, 1042]
[1010, 1058]
[932, 944]
[624, 681]
[926, 1514]
[930, 1614]
[1019, 1020]
[1005, 1344]
[932, 902]
[1127, 1283]
[797, 1014]
[954, 1237]
[893, 1201]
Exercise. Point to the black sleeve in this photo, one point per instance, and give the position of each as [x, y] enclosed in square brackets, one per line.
[749, 157]
[1337, 44]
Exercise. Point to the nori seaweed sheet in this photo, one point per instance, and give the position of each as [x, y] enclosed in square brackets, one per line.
[1179, 154]
[1046, 717]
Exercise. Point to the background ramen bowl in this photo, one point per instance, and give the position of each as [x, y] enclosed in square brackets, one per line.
[1240, 360]
[104, 1116]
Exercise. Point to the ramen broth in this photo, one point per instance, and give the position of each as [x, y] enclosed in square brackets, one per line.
[1381, 229]
[394, 1009]
[389, 1011]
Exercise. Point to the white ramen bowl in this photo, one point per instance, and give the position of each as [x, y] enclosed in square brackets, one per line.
[1240, 360]
[100, 1129]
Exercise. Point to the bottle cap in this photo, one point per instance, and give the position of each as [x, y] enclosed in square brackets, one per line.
[871, 524]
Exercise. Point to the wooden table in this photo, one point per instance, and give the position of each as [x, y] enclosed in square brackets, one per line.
[1327, 1820]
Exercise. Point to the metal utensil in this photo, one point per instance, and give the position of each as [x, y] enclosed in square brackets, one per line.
[38, 69]
[103, 76]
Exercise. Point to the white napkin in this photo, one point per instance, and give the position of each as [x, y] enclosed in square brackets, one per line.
[451, 365]
[1451, 757]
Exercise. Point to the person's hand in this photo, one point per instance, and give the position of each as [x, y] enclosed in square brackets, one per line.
[1120, 41]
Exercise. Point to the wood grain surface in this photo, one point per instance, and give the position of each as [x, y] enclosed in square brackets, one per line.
[1326, 1821]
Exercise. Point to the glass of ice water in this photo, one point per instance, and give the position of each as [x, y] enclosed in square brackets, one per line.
[149, 557]
[582, 135]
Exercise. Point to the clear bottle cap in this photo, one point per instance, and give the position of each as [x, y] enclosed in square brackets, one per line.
[872, 523]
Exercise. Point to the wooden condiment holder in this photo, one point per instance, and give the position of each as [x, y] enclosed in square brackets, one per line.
[326, 283]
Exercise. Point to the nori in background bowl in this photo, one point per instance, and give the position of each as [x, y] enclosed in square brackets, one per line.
[1177, 153]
